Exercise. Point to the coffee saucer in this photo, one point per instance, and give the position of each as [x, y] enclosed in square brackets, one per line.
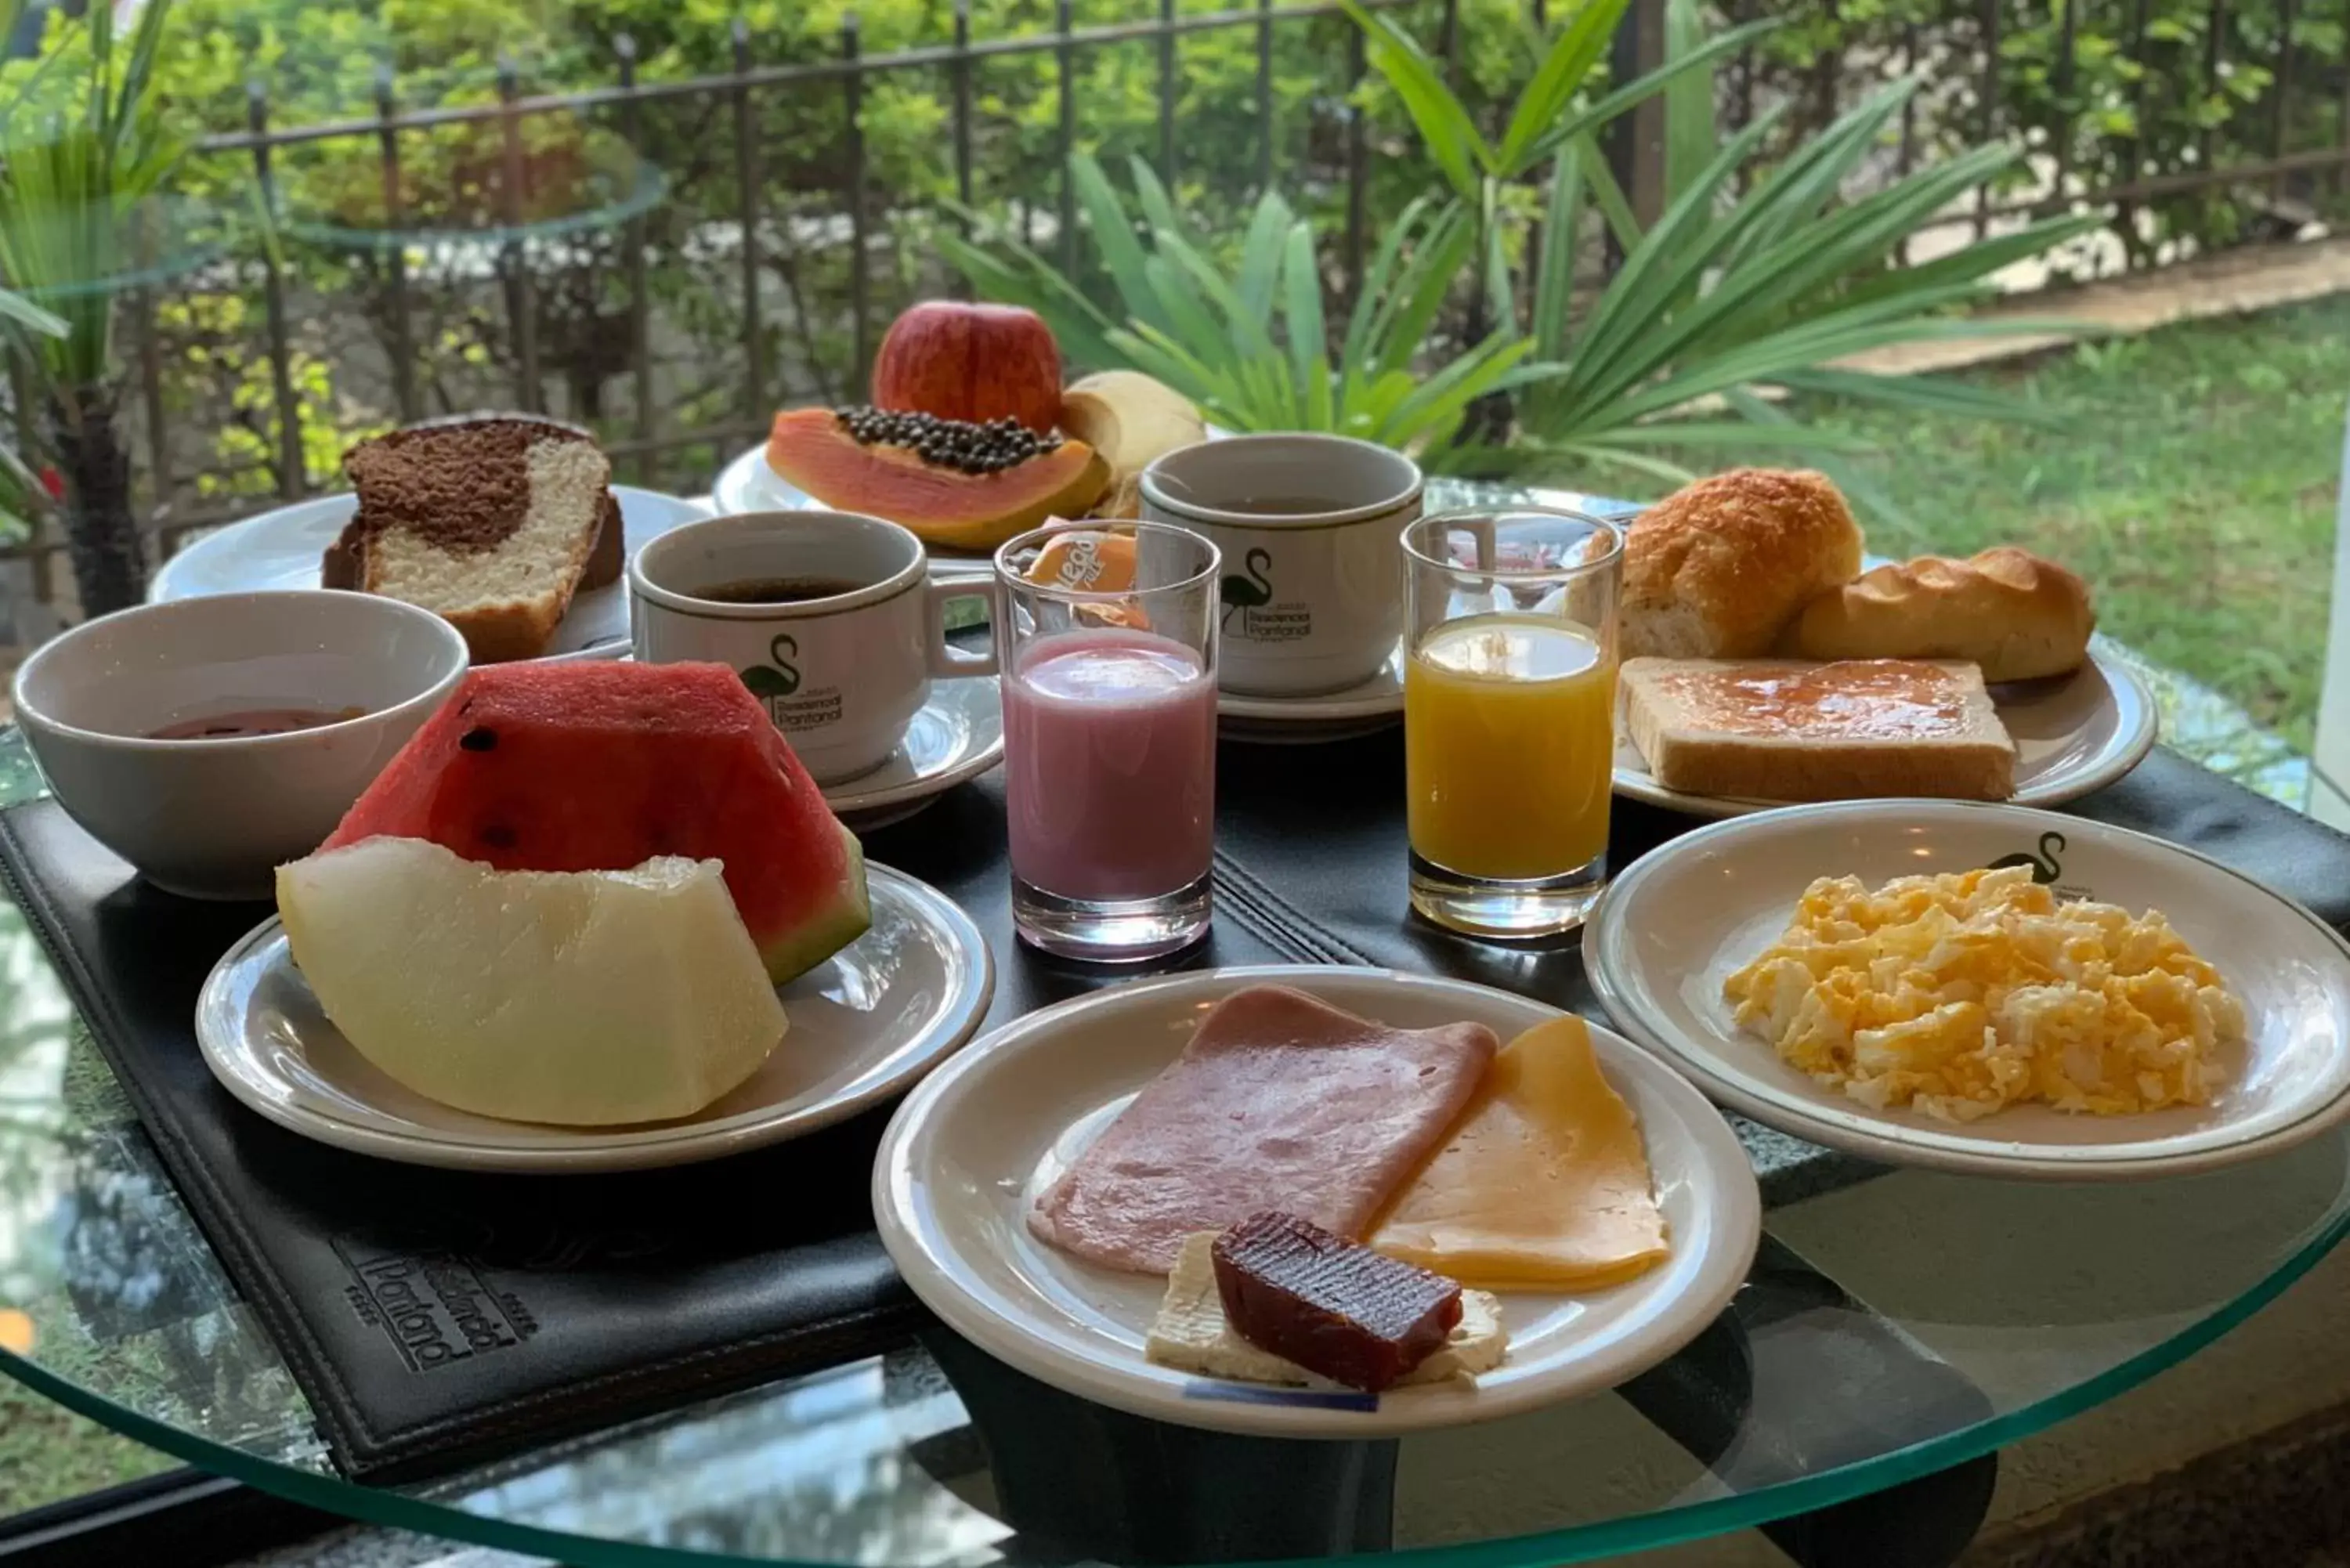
[1307, 720]
[957, 735]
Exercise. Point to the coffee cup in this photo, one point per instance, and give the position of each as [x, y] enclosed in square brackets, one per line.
[1312, 595]
[830, 618]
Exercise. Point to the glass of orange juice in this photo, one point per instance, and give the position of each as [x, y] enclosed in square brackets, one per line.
[1510, 716]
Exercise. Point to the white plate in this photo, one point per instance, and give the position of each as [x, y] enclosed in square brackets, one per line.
[957, 735]
[1684, 916]
[864, 1024]
[2073, 734]
[967, 1152]
[280, 549]
[748, 485]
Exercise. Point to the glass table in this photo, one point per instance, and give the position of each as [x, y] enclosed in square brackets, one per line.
[1963, 1314]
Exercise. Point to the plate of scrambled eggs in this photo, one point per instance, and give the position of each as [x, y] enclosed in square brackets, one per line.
[1981, 988]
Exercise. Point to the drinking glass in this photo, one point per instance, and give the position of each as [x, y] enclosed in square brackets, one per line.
[1510, 716]
[1106, 636]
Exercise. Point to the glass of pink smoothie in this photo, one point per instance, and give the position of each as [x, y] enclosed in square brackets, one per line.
[1107, 637]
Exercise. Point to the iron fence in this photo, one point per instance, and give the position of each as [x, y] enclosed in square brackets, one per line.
[1968, 44]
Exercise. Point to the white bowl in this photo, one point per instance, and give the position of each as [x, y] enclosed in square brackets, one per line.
[213, 818]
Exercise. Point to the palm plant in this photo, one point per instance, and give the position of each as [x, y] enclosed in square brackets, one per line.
[22, 496]
[1252, 349]
[1725, 294]
[83, 155]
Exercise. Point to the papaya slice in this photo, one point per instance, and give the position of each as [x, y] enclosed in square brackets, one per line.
[962, 486]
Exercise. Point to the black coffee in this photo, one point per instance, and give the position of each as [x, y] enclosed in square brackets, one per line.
[1282, 505]
[776, 590]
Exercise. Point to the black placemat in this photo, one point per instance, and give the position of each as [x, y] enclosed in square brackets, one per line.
[602, 1298]
[436, 1317]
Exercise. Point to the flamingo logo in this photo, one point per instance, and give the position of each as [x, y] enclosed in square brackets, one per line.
[1253, 591]
[771, 683]
[2044, 866]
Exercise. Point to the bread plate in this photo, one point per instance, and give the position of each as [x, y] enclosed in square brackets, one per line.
[971, 1147]
[2073, 734]
[280, 549]
[1683, 917]
[867, 1022]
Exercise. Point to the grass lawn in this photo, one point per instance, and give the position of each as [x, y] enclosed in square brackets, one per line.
[2192, 483]
[48, 1454]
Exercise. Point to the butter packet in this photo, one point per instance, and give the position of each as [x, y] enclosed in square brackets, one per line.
[1092, 560]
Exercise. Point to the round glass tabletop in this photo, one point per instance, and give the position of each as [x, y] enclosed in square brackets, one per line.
[1890, 1330]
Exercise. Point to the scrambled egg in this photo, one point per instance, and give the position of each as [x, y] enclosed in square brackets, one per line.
[1967, 992]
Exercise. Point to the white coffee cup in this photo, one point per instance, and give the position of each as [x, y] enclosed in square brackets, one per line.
[1313, 586]
[842, 673]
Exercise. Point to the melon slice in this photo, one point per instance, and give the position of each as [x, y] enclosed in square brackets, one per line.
[815, 450]
[582, 998]
[602, 766]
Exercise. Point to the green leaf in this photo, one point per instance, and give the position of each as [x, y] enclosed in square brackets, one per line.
[1926, 394]
[1720, 46]
[1158, 210]
[1245, 330]
[1565, 67]
[1690, 140]
[1371, 293]
[1501, 292]
[1113, 236]
[1614, 457]
[1261, 255]
[24, 313]
[1194, 325]
[1399, 330]
[1722, 435]
[1453, 387]
[1554, 262]
[1669, 260]
[1444, 126]
[1308, 347]
[1609, 196]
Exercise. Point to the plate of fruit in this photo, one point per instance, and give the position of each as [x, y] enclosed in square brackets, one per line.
[971, 437]
[592, 917]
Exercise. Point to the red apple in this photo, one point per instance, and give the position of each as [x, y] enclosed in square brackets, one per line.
[976, 362]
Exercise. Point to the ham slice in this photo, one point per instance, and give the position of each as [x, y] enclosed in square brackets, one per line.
[1279, 1101]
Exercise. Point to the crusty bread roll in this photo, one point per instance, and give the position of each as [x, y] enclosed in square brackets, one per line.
[1778, 730]
[2017, 616]
[1718, 570]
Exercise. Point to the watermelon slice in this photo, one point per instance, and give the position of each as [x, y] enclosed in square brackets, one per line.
[603, 766]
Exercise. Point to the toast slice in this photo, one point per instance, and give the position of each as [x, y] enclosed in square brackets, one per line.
[492, 523]
[1790, 730]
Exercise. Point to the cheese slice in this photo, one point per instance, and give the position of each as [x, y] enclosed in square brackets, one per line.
[1191, 1334]
[1542, 1184]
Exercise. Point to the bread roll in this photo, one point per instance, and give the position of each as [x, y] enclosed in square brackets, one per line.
[2017, 616]
[1721, 568]
[1775, 729]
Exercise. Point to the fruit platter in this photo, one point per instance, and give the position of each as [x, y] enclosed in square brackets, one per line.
[592, 916]
[970, 436]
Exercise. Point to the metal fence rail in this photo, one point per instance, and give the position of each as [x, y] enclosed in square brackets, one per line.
[640, 442]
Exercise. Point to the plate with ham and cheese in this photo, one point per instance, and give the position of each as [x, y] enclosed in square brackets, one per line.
[1316, 1201]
